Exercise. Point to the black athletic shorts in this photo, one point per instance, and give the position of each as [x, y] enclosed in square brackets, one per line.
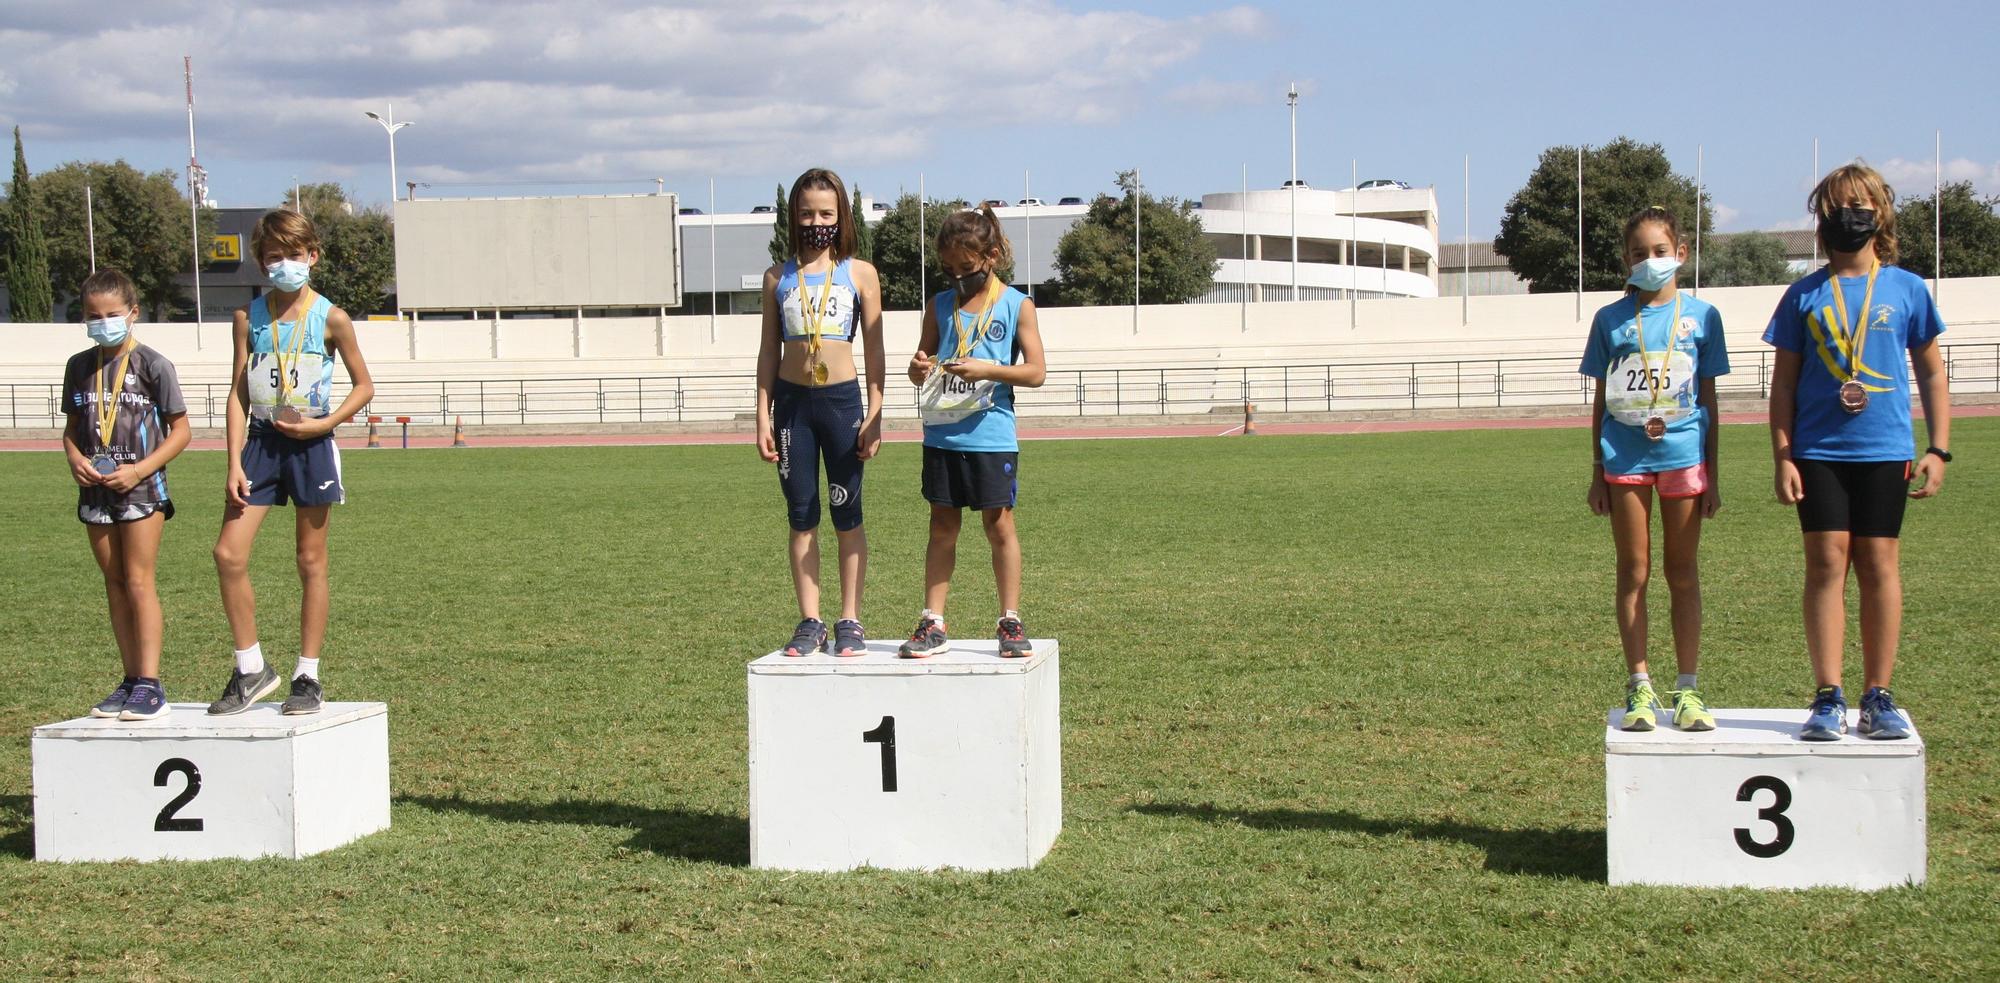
[1862, 498]
[971, 479]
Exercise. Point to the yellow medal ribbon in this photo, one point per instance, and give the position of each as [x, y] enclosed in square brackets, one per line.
[302, 305]
[1654, 380]
[980, 321]
[1838, 339]
[108, 396]
[815, 321]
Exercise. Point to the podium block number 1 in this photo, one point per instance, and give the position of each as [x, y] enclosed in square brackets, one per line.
[1781, 799]
[167, 821]
[885, 735]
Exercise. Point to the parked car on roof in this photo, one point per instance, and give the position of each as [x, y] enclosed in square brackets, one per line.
[764, 210]
[1381, 184]
[1070, 200]
[1029, 201]
[691, 211]
[1300, 184]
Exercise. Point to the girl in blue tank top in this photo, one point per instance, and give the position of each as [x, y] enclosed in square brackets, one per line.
[979, 341]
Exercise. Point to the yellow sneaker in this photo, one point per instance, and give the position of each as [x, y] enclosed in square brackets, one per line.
[1691, 711]
[1639, 702]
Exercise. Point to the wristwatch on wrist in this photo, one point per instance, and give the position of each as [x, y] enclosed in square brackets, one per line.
[1942, 454]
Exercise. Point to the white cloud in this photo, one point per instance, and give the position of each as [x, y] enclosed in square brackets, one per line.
[1913, 178]
[593, 88]
[1723, 215]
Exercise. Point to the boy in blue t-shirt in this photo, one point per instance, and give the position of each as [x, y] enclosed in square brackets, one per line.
[1842, 439]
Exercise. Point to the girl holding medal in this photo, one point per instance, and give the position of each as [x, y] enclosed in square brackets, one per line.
[281, 450]
[971, 451]
[1655, 354]
[126, 421]
[809, 401]
[1842, 440]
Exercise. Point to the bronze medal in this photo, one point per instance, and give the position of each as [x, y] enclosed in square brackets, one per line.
[290, 414]
[1853, 396]
[1656, 428]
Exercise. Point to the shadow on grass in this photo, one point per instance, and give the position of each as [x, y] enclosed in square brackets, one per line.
[18, 810]
[704, 837]
[1566, 852]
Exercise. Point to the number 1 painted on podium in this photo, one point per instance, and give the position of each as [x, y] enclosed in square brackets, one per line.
[885, 735]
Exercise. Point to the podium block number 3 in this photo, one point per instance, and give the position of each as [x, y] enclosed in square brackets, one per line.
[167, 821]
[885, 735]
[1781, 799]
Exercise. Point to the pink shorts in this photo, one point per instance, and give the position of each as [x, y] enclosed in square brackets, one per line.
[1684, 482]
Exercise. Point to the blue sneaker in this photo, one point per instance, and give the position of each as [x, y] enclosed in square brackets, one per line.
[109, 707]
[148, 700]
[1880, 719]
[1826, 720]
[850, 640]
[807, 639]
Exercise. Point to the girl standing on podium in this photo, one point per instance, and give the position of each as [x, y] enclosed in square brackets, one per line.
[1841, 437]
[809, 402]
[280, 434]
[979, 341]
[1655, 354]
[126, 421]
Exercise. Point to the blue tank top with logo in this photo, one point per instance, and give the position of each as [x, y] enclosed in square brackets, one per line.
[990, 429]
[798, 291]
[312, 374]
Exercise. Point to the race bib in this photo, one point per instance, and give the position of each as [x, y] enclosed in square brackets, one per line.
[304, 375]
[946, 398]
[1630, 385]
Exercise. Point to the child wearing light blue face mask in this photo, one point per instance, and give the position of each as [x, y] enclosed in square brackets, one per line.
[1655, 354]
[126, 421]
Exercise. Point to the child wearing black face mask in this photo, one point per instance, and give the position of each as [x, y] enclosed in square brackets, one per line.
[1842, 440]
[986, 341]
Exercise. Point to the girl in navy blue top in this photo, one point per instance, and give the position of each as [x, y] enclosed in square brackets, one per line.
[809, 405]
[1841, 437]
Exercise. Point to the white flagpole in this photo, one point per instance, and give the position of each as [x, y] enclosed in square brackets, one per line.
[195, 193]
[923, 286]
[90, 226]
[1697, 219]
[711, 261]
[1243, 216]
[1579, 233]
[1353, 239]
[1028, 237]
[1136, 190]
[1465, 287]
[1815, 181]
[1292, 100]
[1937, 213]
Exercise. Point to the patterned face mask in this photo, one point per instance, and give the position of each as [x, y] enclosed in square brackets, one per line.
[821, 236]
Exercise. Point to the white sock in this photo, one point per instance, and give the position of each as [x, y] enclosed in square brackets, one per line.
[928, 613]
[250, 660]
[1684, 681]
[1637, 678]
[1009, 613]
[308, 668]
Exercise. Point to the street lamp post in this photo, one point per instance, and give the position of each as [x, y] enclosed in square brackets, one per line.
[1292, 101]
[389, 124]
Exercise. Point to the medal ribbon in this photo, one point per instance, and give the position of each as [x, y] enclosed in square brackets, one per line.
[814, 319]
[1838, 339]
[107, 397]
[302, 305]
[980, 321]
[1653, 380]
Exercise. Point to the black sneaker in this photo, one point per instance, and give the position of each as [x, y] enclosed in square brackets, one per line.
[304, 697]
[929, 639]
[112, 705]
[244, 690]
[148, 700]
[807, 639]
[849, 640]
[1014, 640]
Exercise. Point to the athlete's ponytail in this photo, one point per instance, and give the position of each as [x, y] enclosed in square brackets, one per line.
[976, 232]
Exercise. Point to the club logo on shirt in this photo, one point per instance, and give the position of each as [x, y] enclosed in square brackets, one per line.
[996, 332]
[1882, 312]
[1684, 330]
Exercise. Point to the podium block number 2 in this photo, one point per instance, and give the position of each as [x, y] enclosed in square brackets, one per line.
[167, 821]
[1781, 799]
[885, 735]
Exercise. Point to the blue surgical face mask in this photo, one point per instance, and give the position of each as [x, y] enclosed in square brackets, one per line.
[107, 331]
[288, 274]
[1652, 274]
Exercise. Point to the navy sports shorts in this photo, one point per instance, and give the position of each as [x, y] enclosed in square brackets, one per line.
[971, 479]
[286, 471]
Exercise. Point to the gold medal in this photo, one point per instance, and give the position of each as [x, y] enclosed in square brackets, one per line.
[815, 325]
[820, 372]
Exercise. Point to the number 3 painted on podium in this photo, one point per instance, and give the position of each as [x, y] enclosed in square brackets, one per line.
[1781, 799]
[885, 735]
[166, 821]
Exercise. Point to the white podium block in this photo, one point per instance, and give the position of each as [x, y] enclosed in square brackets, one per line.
[908, 764]
[1750, 805]
[189, 786]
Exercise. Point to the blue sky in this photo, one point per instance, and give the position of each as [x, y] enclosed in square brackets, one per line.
[514, 98]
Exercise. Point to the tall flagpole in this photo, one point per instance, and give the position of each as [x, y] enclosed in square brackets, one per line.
[1028, 223]
[1243, 213]
[1465, 288]
[1353, 239]
[711, 261]
[1292, 100]
[1937, 213]
[1815, 183]
[923, 273]
[1579, 233]
[1697, 219]
[90, 226]
[1135, 250]
[197, 190]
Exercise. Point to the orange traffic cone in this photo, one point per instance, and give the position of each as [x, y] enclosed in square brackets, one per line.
[1249, 419]
[374, 438]
[458, 433]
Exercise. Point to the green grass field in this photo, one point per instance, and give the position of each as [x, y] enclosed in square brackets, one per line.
[1333, 707]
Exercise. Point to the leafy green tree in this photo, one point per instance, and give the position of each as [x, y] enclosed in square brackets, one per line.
[1745, 259]
[1971, 233]
[357, 263]
[28, 286]
[1538, 230]
[781, 229]
[899, 256]
[1093, 264]
[141, 223]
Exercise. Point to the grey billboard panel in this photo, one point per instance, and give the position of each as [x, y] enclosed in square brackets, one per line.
[542, 253]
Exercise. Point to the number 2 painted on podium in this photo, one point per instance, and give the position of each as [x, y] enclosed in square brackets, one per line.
[885, 735]
[166, 822]
[1781, 799]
